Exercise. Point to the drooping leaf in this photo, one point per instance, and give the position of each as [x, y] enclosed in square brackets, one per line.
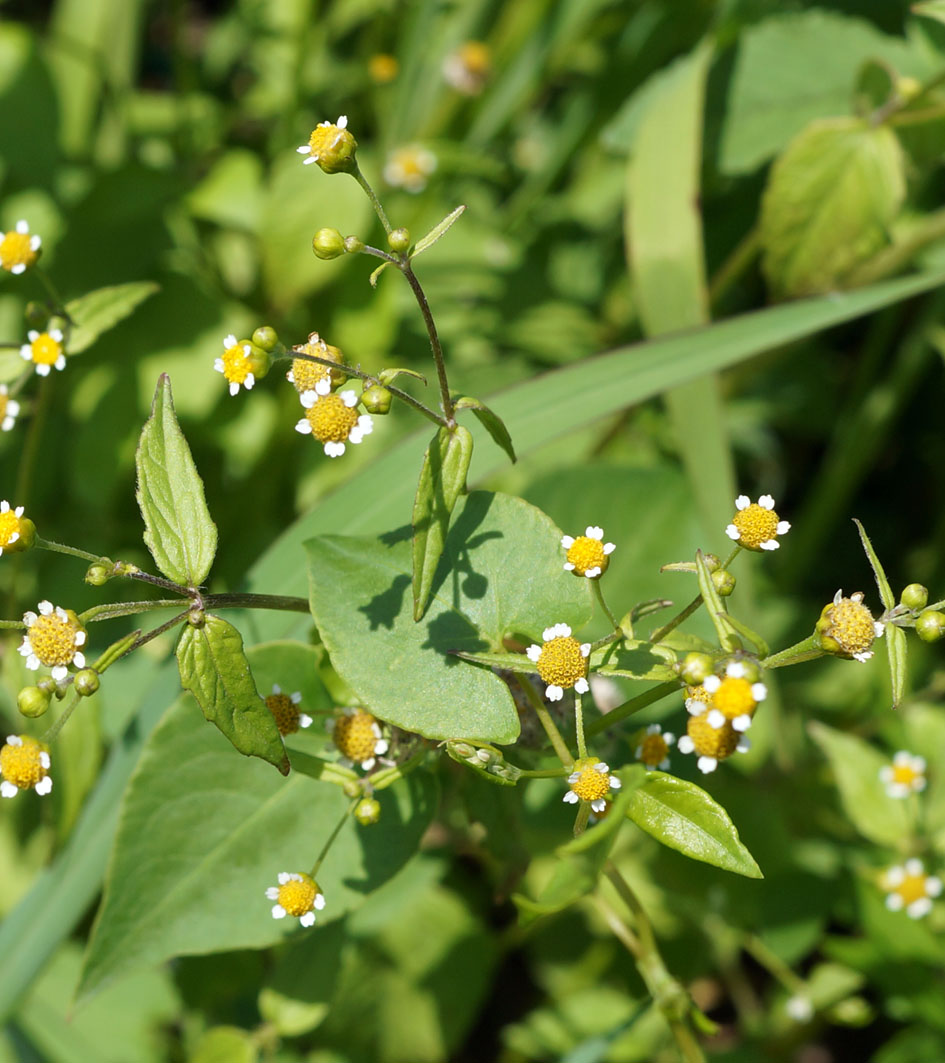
[684, 817]
[500, 574]
[492, 423]
[178, 530]
[828, 204]
[442, 479]
[214, 669]
[436, 232]
[856, 766]
[98, 311]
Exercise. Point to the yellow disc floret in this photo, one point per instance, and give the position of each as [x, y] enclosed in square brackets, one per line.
[756, 525]
[9, 526]
[653, 749]
[561, 661]
[357, 737]
[24, 765]
[285, 711]
[331, 146]
[711, 740]
[331, 419]
[53, 638]
[44, 350]
[846, 628]
[18, 249]
[909, 887]
[587, 555]
[297, 894]
[590, 783]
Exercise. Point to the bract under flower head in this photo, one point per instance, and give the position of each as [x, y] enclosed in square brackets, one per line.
[24, 765]
[297, 894]
[587, 555]
[906, 775]
[53, 638]
[712, 744]
[561, 661]
[19, 249]
[409, 167]
[236, 365]
[589, 781]
[44, 350]
[333, 418]
[331, 146]
[846, 628]
[653, 749]
[9, 408]
[909, 887]
[285, 711]
[756, 526]
[10, 527]
[357, 736]
[733, 698]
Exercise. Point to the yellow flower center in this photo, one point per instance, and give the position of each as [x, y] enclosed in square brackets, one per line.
[4, 399]
[698, 693]
[298, 897]
[756, 525]
[53, 639]
[286, 713]
[382, 68]
[590, 785]
[15, 250]
[45, 350]
[331, 419]
[354, 736]
[561, 663]
[475, 57]
[331, 147]
[236, 364]
[411, 163]
[21, 765]
[850, 626]
[9, 521]
[734, 698]
[709, 741]
[305, 374]
[905, 774]
[587, 553]
[912, 888]
[653, 750]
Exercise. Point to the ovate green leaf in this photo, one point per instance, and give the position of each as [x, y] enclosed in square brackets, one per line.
[684, 817]
[214, 669]
[98, 311]
[828, 204]
[442, 479]
[177, 526]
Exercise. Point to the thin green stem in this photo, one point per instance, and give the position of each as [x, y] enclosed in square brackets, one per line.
[334, 834]
[420, 296]
[53, 732]
[579, 726]
[157, 581]
[661, 632]
[31, 444]
[805, 650]
[543, 773]
[12, 625]
[59, 307]
[744, 253]
[282, 602]
[111, 610]
[628, 708]
[544, 718]
[599, 595]
[61, 548]
[580, 820]
[388, 776]
[898, 103]
[372, 196]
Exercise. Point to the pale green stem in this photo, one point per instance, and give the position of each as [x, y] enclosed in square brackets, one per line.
[331, 837]
[382, 779]
[579, 726]
[61, 548]
[805, 650]
[544, 718]
[599, 594]
[372, 196]
[438, 359]
[628, 708]
[663, 631]
[50, 736]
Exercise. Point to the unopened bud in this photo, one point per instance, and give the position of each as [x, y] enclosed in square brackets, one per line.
[328, 244]
[696, 668]
[367, 811]
[376, 399]
[399, 240]
[266, 337]
[724, 581]
[97, 574]
[353, 244]
[87, 682]
[915, 596]
[930, 625]
[32, 701]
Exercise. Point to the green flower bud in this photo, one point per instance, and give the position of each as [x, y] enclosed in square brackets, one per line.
[399, 240]
[376, 399]
[87, 682]
[353, 244]
[32, 701]
[930, 625]
[696, 668]
[328, 244]
[331, 146]
[367, 811]
[97, 574]
[259, 359]
[915, 596]
[266, 337]
[712, 563]
[724, 581]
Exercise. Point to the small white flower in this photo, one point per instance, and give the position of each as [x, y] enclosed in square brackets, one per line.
[591, 782]
[9, 408]
[409, 168]
[756, 530]
[649, 748]
[906, 775]
[61, 641]
[330, 420]
[44, 350]
[297, 895]
[563, 660]
[911, 888]
[306, 149]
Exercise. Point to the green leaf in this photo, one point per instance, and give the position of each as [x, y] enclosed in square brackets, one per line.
[203, 833]
[492, 423]
[714, 606]
[761, 646]
[436, 232]
[684, 817]
[897, 648]
[178, 530]
[886, 595]
[930, 9]
[828, 204]
[574, 877]
[500, 573]
[856, 766]
[375, 274]
[510, 662]
[634, 659]
[98, 311]
[214, 669]
[388, 376]
[225, 1044]
[442, 480]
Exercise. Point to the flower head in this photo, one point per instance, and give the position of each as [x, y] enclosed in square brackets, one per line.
[9, 408]
[756, 525]
[906, 775]
[305, 374]
[285, 710]
[383, 68]
[587, 555]
[19, 249]
[589, 781]
[11, 526]
[561, 662]
[44, 350]
[653, 749]
[732, 698]
[846, 628]
[236, 364]
[24, 763]
[409, 167]
[297, 894]
[331, 146]
[357, 736]
[53, 638]
[333, 418]
[712, 744]
[467, 67]
[908, 886]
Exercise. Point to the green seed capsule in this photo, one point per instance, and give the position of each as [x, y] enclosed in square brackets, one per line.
[87, 682]
[32, 702]
[915, 596]
[399, 240]
[930, 625]
[266, 337]
[328, 244]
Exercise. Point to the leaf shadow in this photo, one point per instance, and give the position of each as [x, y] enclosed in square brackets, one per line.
[461, 542]
[384, 608]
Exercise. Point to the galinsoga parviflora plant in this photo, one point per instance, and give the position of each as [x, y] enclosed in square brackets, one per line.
[484, 663]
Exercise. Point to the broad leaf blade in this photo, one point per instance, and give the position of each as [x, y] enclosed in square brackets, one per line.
[178, 530]
[98, 311]
[436, 232]
[214, 669]
[886, 595]
[684, 817]
[442, 480]
[492, 423]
